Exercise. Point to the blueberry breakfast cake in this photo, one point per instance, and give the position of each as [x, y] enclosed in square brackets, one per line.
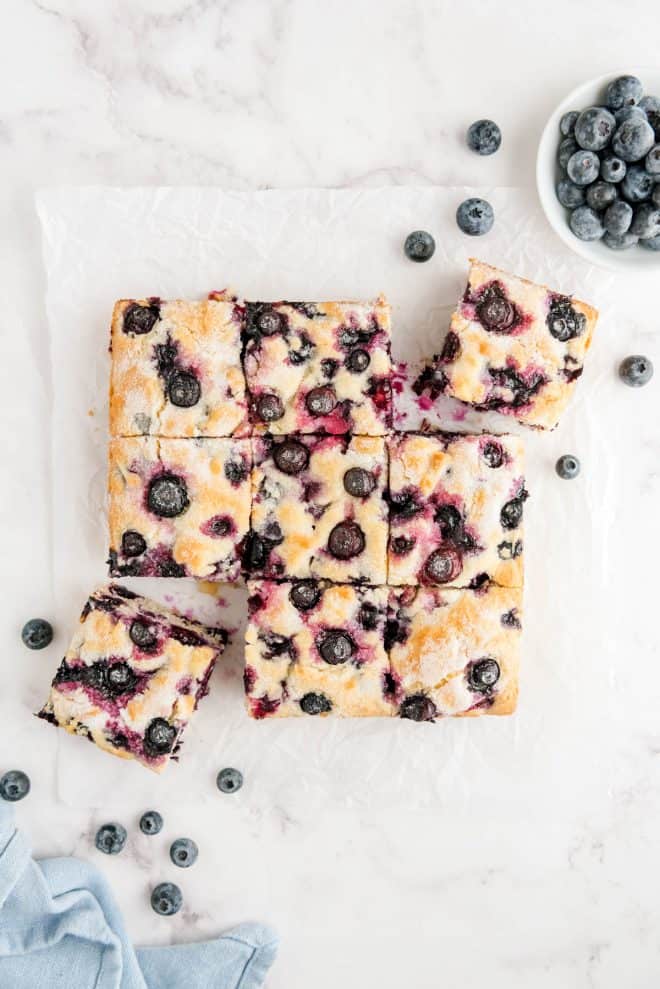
[456, 510]
[318, 508]
[515, 347]
[132, 676]
[454, 652]
[176, 369]
[316, 648]
[178, 507]
[319, 367]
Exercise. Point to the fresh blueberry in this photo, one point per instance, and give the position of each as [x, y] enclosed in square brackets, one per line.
[483, 675]
[359, 482]
[110, 839]
[655, 196]
[586, 224]
[567, 122]
[336, 647]
[291, 456]
[166, 899]
[315, 704]
[269, 407]
[305, 595]
[133, 543]
[443, 564]
[633, 139]
[484, 137]
[14, 785]
[184, 852]
[229, 780]
[159, 737]
[651, 107]
[652, 162]
[475, 217]
[418, 707]
[566, 149]
[646, 221]
[637, 185]
[600, 195]
[623, 91]
[183, 389]
[321, 401]
[37, 633]
[636, 370]
[569, 194]
[346, 540]
[594, 128]
[151, 822]
[143, 634]
[167, 496]
[617, 218]
[583, 167]
[358, 360]
[568, 467]
[419, 246]
[620, 242]
[140, 319]
[651, 243]
[612, 169]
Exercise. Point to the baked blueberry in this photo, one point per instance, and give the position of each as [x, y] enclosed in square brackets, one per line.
[512, 513]
[568, 467]
[620, 242]
[291, 456]
[151, 822]
[368, 616]
[636, 370]
[484, 137]
[418, 707]
[255, 552]
[166, 899]
[184, 852]
[510, 619]
[567, 148]
[493, 453]
[600, 195]
[315, 704]
[612, 169]
[404, 505]
[359, 482]
[183, 389]
[583, 167]
[400, 545]
[302, 353]
[346, 540]
[633, 139]
[450, 521]
[475, 217]
[229, 780]
[305, 595]
[269, 322]
[586, 224]
[451, 348]
[623, 91]
[336, 646]
[37, 633]
[111, 838]
[14, 785]
[646, 221]
[140, 319]
[443, 564]
[495, 311]
[159, 737]
[637, 185]
[167, 496]
[358, 360]
[218, 526]
[567, 122]
[321, 401]
[594, 128]
[569, 194]
[269, 407]
[483, 675]
[120, 678]
[144, 636]
[617, 218]
[563, 321]
[133, 543]
[236, 471]
[419, 246]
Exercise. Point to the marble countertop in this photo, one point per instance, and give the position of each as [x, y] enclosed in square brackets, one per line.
[293, 93]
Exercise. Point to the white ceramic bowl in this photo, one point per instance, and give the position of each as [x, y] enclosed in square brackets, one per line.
[635, 259]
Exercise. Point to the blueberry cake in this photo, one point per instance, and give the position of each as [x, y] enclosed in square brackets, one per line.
[176, 370]
[456, 510]
[178, 507]
[315, 648]
[454, 652]
[319, 367]
[318, 508]
[132, 676]
[515, 347]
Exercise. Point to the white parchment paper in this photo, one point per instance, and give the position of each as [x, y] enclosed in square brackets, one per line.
[103, 243]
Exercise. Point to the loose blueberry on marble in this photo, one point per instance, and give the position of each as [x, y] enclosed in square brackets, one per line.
[583, 167]
[305, 595]
[419, 246]
[484, 137]
[14, 785]
[623, 91]
[166, 899]
[637, 185]
[475, 217]
[633, 139]
[418, 707]
[569, 194]
[620, 242]
[483, 675]
[151, 822]
[567, 122]
[594, 128]
[184, 852]
[110, 838]
[568, 467]
[600, 195]
[37, 633]
[167, 496]
[653, 161]
[636, 370]
[229, 780]
[617, 218]
[346, 540]
[315, 704]
[612, 169]
[567, 149]
[646, 221]
[586, 223]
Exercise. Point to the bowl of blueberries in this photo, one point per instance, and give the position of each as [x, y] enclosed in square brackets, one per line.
[598, 171]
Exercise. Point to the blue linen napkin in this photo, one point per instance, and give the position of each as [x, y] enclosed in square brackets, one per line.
[60, 927]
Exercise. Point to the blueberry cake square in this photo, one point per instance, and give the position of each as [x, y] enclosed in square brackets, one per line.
[454, 652]
[178, 507]
[316, 648]
[176, 369]
[515, 347]
[318, 508]
[319, 367]
[132, 676]
[456, 510]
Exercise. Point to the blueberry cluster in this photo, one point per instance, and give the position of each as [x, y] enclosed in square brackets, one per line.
[609, 156]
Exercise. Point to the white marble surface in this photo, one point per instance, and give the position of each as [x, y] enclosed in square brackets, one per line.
[257, 94]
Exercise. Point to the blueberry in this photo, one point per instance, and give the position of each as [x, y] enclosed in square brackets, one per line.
[218, 526]
[291, 456]
[236, 471]
[583, 167]
[403, 505]
[37, 633]
[269, 407]
[359, 482]
[14, 785]
[569, 194]
[450, 521]
[620, 242]
[494, 311]
[166, 899]
[612, 169]
[401, 545]
[655, 196]
[617, 218]
[142, 634]
[652, 162]
[419, 246]
[346, 540]
[623, 91]
[140, 319]
[568, 467]
[183, 389]
[475, 217]
[229, 780]
[651, 243]
[629, 113]
[512, 513]
[646, 221]
[633, 139]
[484, 137]
[443, 564]
[637, 185]
[651, 107]
[600, 195]
[368, 616]
[159, 737]
[110, 838]
[493, 454]
[418, 707]
[483, 675]
[636, 370]
[567, 122]
[358, 360]
[321, 401]
[151, 822]
[586, 224]
[120, 679]
[315, 704]
[167, 496]
[336, 647]
[305, 595]
[133, 543]
[563, 321]
[566, 149]
[594, 128]
[269, 322]
[184, 852]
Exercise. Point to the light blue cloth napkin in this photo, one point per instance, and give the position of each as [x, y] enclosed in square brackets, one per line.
[60, 927]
